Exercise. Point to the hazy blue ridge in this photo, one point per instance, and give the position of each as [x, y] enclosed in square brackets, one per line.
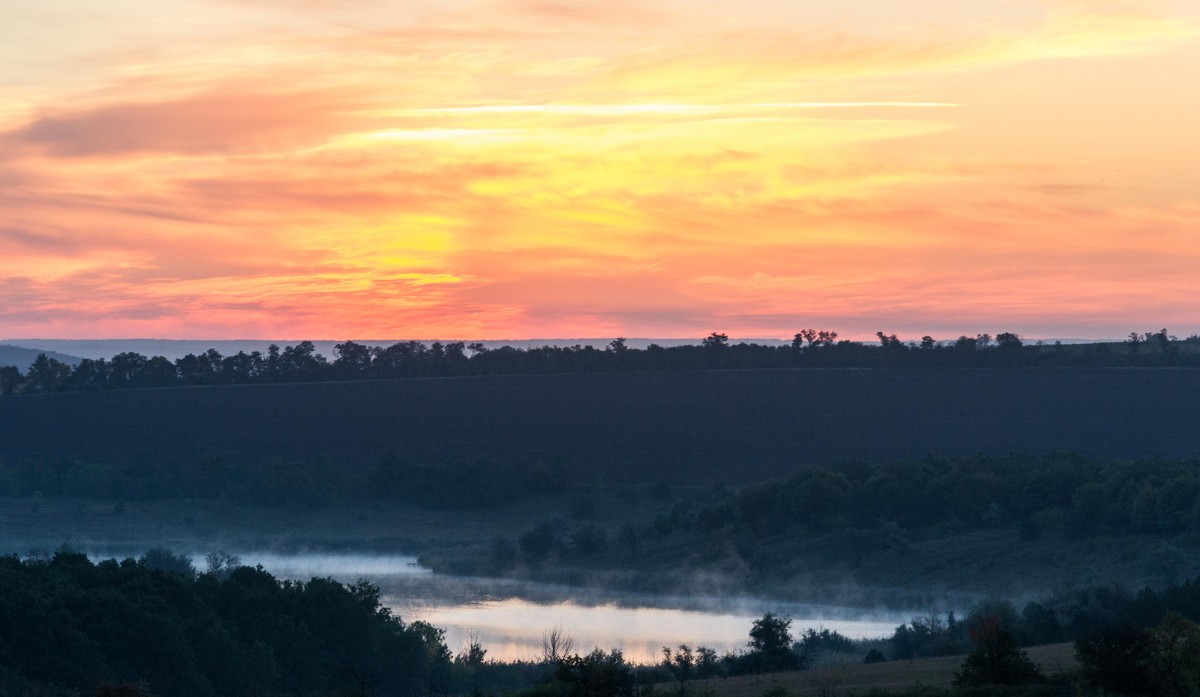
[23, 356]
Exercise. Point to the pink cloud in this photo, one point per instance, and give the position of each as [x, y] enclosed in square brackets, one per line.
[212, 123]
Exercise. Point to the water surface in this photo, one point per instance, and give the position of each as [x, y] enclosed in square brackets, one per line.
[510, 618]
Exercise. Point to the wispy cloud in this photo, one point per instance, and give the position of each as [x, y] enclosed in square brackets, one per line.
[652, 109]
[214, 123]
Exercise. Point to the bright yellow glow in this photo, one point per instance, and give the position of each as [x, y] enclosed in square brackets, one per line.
[505, 168]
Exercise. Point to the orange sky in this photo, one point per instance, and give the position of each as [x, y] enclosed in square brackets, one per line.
[545, 168]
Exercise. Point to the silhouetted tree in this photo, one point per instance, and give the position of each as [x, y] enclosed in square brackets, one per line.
[804, 338]
[771, 643]
[808, 338]
[221, 564]
[708, 664]
[889, 342]
[1039, 625]
[680, 663]
[242, 367]
[557, 646]
[353, 360]
[598, 674]
[274, 362]
[90, 375]
[995, 660]
[161, 559]
[815, 642]
[47, 374]
[301, 362]
[1008, 341]
[1173, 649]
[928, 636]
[474, 654]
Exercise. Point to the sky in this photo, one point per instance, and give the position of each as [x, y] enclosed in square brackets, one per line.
[489, 169]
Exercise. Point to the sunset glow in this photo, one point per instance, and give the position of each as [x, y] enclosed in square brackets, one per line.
[487, 169]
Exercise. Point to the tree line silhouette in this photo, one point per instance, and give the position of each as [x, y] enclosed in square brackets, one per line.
[810, 348]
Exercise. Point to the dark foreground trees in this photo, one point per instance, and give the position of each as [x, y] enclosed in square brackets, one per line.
[67, 622]
[598, 674]
[1162, 661]
[995, 658]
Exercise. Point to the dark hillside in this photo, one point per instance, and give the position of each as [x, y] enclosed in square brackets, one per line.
[686, 427]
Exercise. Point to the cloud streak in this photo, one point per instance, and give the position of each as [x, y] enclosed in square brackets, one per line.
[220, 123]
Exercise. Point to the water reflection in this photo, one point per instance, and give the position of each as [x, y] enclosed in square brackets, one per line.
[510, 617]
[513, 629]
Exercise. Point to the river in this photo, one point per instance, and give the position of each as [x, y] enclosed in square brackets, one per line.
[510, 618]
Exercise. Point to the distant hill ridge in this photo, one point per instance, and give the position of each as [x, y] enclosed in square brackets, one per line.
[23, 356]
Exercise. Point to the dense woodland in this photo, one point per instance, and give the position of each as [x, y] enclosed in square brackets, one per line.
[837, 518]
[233, 631]
[1063, 492]
[809, 349]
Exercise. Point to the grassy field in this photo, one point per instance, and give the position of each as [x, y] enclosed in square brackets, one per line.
[702, 427]
[826, 681]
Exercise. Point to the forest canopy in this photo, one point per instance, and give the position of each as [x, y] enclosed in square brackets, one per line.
[67, 621]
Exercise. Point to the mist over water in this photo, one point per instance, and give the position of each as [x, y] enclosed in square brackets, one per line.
[341, 566]
[509, 618]
[513, 629]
